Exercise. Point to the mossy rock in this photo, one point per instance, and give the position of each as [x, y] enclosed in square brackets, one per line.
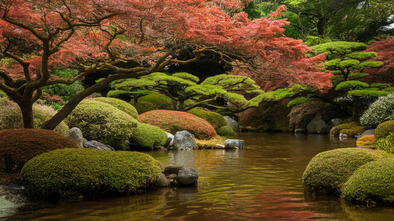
[17, 146]
[226, 131]
[120, 104]
[353, 131]
[103, 122]
[372, 183]
[386, 144]
[213, 118]
[174, 121]
[147, 137]
[384, 129]
[88, 172]
[337, 129]
[367, 141]
[329, 170]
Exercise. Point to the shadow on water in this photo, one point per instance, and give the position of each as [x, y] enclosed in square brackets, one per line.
[262, 182]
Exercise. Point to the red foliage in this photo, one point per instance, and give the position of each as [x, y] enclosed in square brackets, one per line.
[173, 121]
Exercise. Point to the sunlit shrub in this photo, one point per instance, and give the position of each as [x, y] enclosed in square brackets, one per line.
[120, 104]
[384, 129]
[147, 137]
[337, 129]
[387, 143]
[226, 131]
[379, 111]
[213, 118]
[353, 131]
[366, 141]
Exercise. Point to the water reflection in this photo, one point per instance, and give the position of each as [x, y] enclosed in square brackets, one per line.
[261, 182]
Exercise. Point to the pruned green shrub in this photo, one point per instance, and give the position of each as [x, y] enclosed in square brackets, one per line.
[174, 121]
[226, 131]
[297, 101]
[381, 110]
[329, 170]
[120, 104]
[351, 85]
[337, 129]
[17, 146]
[387, 143]
[213, 118]
[384, 129]
[155, 101]
[372, 183]
[147, 137]
[88, 172]
[103, 122]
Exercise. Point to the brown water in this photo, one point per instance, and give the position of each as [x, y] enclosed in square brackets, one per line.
[261, 182]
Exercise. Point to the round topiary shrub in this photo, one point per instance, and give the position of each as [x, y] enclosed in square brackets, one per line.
[120, 104]
[155, 101]
[384, 129]
[174, 121]
[88, 172]
[17, 146]
[329, 170]
[381, 110]
[386, 144]
[103, 122]
[226, 131]
[213, 118]
[147, 137]
[373, 183]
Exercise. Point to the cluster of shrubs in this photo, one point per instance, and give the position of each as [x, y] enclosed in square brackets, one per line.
[358, 175]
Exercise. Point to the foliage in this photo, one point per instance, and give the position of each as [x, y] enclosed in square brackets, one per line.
[174, 121]
[156, 101]
[379, 111]
[369, 92]
[226, 131]
[213, 118]
[351, 85]
[119, 104]
[353, 131]
[17, 146]
[88, 172]
[372, 183]
[385, 54]
[329, 170]
[103, 122]
[337, 129]
[366, 141]
[384, 129]
[387, 143]
[147, 137]
[65, 91]
[187, 76]
[297, 101]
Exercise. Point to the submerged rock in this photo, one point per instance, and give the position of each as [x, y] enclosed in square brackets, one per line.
[234, 144]
[187, 177]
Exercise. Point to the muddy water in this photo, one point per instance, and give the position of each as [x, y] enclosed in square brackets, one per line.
[261, 182]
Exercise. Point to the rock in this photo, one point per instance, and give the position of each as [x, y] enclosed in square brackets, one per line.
[187, 177]
[97, 145]
[184, 140]
[171, 139]
[300, 131]
[231, 123]
[234, 144]
[336, 121]
[163, 181]
[317, 125]
[173, 169]
[367, 132]
[75, 134]
[160, 165]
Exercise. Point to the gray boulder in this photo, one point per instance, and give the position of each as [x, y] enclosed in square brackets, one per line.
[184, 140]
[97, 145]
[234, 144]
[75, 134]
[318, 126]
[336, 121]
[232, 123]
[173, 169]
[367, 132]
[187, 177]
[163, 181]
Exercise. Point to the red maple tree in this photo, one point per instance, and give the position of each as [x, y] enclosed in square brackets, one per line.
[39, 36]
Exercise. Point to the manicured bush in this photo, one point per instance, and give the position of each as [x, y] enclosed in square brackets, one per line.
[147, 137]
[387, 143]
[88, 172]
[226, 131]
[156, 101]
[120, 104]
[329, 170]
[384, 129]
[353, 131]
[11, 116]
[366, 141]
[371, 183]
[17, 146]
[337, 129]
[213, 118]
[174, 121]
[103, 122]
[381, 110]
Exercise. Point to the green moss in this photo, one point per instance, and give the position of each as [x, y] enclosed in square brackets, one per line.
[371, 183]
[17, 146]
[384, 129]
[120, 104]
[329, 170]
[387, 143]
[88, 172]
[213, 118]
[155, 101]
[147, 137]
[297, 101]
[337, 129]
[353, 131]
[226, 131]
[103, 122]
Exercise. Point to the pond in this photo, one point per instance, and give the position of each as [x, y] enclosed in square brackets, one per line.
[261, 182]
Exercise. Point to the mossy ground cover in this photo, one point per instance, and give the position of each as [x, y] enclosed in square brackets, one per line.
[368, 141]
[226, 131]
[147, 137]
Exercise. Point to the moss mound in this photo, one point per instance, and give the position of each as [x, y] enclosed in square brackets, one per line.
[386, 144]
[226, 131]
[372, 182]
[368, 141]
[103, 122]
[213, 118]
[156, 101]
[173, 121]
[337, 129]
[120, 104]
[329, 170]
[353, 131]
[88, 172]
[17, 146]
[384, 129]
[148, 137]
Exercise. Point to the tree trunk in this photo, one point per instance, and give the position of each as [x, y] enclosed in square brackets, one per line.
[135, 103]
[174, 104]
[180, 107]
[27, 114]
[321, 26]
